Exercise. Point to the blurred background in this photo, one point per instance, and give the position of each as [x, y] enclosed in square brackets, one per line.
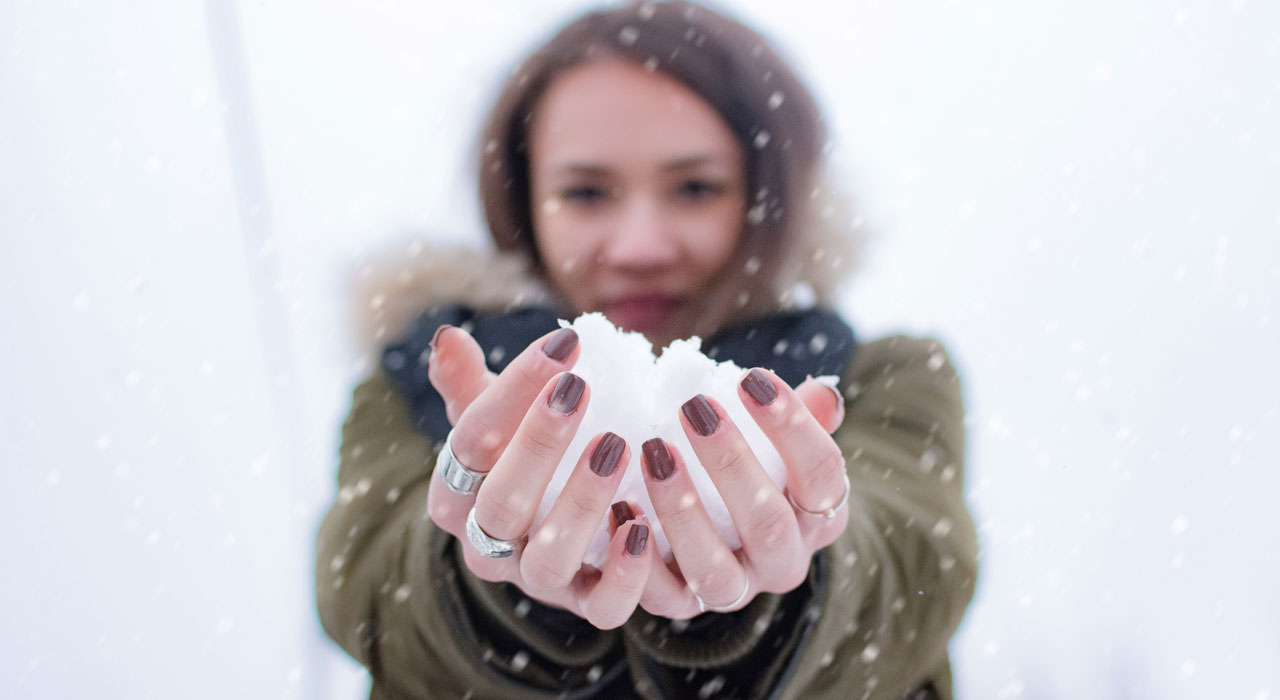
[1081, 199]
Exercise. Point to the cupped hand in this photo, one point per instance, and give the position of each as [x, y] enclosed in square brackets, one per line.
[515, 427]
[778, 537]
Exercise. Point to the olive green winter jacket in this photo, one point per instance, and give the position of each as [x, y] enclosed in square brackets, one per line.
[872, 621]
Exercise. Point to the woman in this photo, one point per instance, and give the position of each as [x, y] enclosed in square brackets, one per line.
[655, 162]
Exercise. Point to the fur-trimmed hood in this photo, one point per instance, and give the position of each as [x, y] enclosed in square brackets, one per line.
[407, 276]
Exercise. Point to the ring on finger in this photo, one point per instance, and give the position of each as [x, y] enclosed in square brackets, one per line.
[488, 546]
[455, 474]
[828, 513]
[704, 607]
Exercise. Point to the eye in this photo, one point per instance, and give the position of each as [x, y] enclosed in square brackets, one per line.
[585, 194]
[699, 189]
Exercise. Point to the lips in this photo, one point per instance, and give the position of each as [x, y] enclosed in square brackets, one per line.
[641, 312]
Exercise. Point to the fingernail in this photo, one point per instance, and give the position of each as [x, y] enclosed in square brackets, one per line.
[607, 455]
[568, 392]
[759, 388]
[561, 344]
[622, 513]
[436, 337]
[637, 539]
[701, 415]
[839, 396]
[658, 459]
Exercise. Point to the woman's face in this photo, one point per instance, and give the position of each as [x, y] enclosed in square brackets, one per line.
[638, 195]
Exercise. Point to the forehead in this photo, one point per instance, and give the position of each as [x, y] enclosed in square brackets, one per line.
[617, 113]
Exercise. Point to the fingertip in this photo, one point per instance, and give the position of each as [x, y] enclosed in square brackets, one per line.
[637, 539]
[659, 459]
[566, 392]
[561, 346]
[759, 385]
[824, 402]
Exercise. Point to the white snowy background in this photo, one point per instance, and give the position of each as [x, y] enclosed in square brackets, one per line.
[1081, 198]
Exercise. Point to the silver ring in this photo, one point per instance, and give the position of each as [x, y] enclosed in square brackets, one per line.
[488, 546]
[829, 513]
[455, 475]
[703, 607]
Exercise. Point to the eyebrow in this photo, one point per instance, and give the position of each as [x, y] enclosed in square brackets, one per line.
[677, 164]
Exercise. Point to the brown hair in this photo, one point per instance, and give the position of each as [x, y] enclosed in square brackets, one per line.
[768, 109]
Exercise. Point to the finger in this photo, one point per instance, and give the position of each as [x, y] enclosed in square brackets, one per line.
[484, 428]
[665, 592]
[709, 568]
[494, 570]
[824, 401]
[612, 600]
[508, 499]
[457, 369]
[815, 465]
[765, 521]
[556, 549]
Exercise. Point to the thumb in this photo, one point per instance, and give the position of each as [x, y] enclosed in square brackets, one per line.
[824, 401]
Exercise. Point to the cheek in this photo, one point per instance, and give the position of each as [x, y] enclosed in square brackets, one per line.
[718, 231]
[566, 253]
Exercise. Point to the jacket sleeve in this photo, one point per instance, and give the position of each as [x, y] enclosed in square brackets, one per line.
[903, 572]
[389, 587]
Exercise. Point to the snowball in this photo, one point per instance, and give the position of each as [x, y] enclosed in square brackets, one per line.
[638, 396]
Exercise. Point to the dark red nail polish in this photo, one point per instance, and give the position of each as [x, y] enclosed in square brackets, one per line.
[657, 458]
[559, 346]
[759, 388]
[637, 539]
[701, 415]
[567, 393]
[608, 454]
[436, 337]
[622, 513]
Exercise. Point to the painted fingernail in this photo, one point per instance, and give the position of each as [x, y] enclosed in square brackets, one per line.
[436, 337]
[637, 539]
[607, 455]
[561, 344]
[658, 459]
[759, 388]
[622, 513]
[568, 392]
[701, 415]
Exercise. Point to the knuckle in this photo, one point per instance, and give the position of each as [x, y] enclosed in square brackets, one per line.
[734, 464]
[530, 372]
[773, 528]
[717, 585]
[826, 470]
[682, 514]
[544, 572]
[541, 445]
[603, 616]
[440, 511]
[505, 515]
[476, 441]
[662, 606]
[482, 567]
[580, 507]
[786, 579]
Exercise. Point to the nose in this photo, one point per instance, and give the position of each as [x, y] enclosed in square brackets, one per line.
[641, 238]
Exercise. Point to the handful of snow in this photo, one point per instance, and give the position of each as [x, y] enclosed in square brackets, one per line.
[638, 396]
